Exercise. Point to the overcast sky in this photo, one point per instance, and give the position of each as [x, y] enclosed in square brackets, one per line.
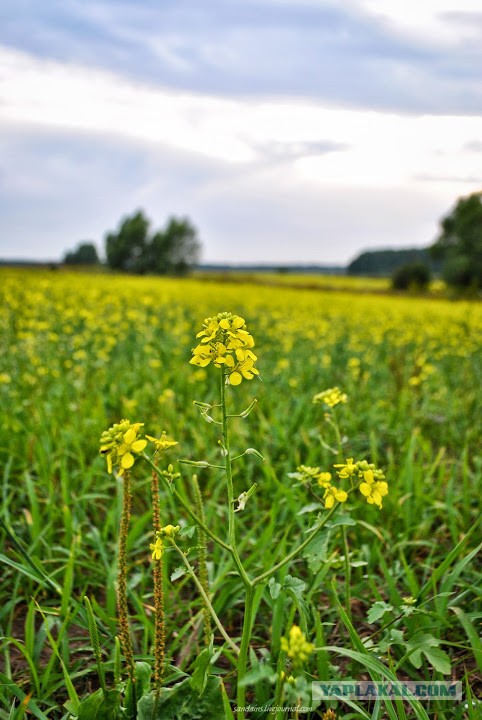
[287, 131]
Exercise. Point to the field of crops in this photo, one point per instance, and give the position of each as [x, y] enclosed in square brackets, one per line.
[335, 587]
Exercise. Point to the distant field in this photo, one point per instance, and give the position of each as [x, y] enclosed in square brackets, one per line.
[80, 352]
[313, 281]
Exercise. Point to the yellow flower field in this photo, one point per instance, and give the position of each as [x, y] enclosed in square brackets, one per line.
[379, 394]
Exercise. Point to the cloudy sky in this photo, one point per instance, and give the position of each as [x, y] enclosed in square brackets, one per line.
[286, 130]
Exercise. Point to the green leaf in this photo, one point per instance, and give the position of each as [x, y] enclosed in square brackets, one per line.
[99, 706]
[340, 520]
[143, 678]
[201, 668]
[378, 610]
[428, 645]
[274, 588]
[264, 671]
[295, 586]
[182, 701]
[178, 573]
[311, 507]
[187, 531]
[316, 552]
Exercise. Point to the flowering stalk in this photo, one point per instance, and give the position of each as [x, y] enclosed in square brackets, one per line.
[159, 624]
[122, 609]
[203, 570]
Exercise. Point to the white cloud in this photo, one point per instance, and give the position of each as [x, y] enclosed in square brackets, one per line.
[374, 147]
[254, 174]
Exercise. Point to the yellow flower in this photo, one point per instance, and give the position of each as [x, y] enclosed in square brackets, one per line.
[227, 344]
[332, 494]
[324, 479]
[157, 549]
[373, 490]
[330, 397]
[170, 530]
[297, 647]
[119, 443]
[348, 469]
[162, 443]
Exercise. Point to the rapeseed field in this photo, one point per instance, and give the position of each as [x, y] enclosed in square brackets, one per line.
[228, 549]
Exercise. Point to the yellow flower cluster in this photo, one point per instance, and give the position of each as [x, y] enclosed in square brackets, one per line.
[162, 443]
[227, 344]
[296, 646]
[369, 479]
[331, 397]
[119, 443]
[157, 547]
[305, 473]
[372, 484]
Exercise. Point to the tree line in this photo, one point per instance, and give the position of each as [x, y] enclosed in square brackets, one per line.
[135, 248]
[456, 254]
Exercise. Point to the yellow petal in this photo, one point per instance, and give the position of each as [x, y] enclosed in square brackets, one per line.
[139, 445]
[127, 461]
[129, 436]
[235, 378]
[238, 322]
[329, 502]
[365, 489]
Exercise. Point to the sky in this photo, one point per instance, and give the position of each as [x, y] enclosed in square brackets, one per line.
[287, 131]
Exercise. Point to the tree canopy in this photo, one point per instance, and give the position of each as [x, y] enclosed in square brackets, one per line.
[84, 254]
[459, 244]
[134, 248]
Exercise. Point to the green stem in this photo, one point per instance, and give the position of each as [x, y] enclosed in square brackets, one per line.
[203, 568]
[229, 474]
[346, 553]
[248, 602]
[207, 601]
[186, 507]
[297, 550]
[243, 653]
[159, 620]
[229, 481]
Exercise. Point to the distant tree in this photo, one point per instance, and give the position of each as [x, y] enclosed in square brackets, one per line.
[413, 276]
[384, 263]
[174, 250]
[459, 244]
[126, 248]
[84, 254]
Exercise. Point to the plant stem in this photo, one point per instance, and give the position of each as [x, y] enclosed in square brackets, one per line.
[229, 481]
[159, 624]
[346, 553]
[297, 550]
[203, 569]
[207, 601]
[243, 654]
[186, 507]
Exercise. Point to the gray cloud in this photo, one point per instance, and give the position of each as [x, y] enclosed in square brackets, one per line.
[334, 53]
